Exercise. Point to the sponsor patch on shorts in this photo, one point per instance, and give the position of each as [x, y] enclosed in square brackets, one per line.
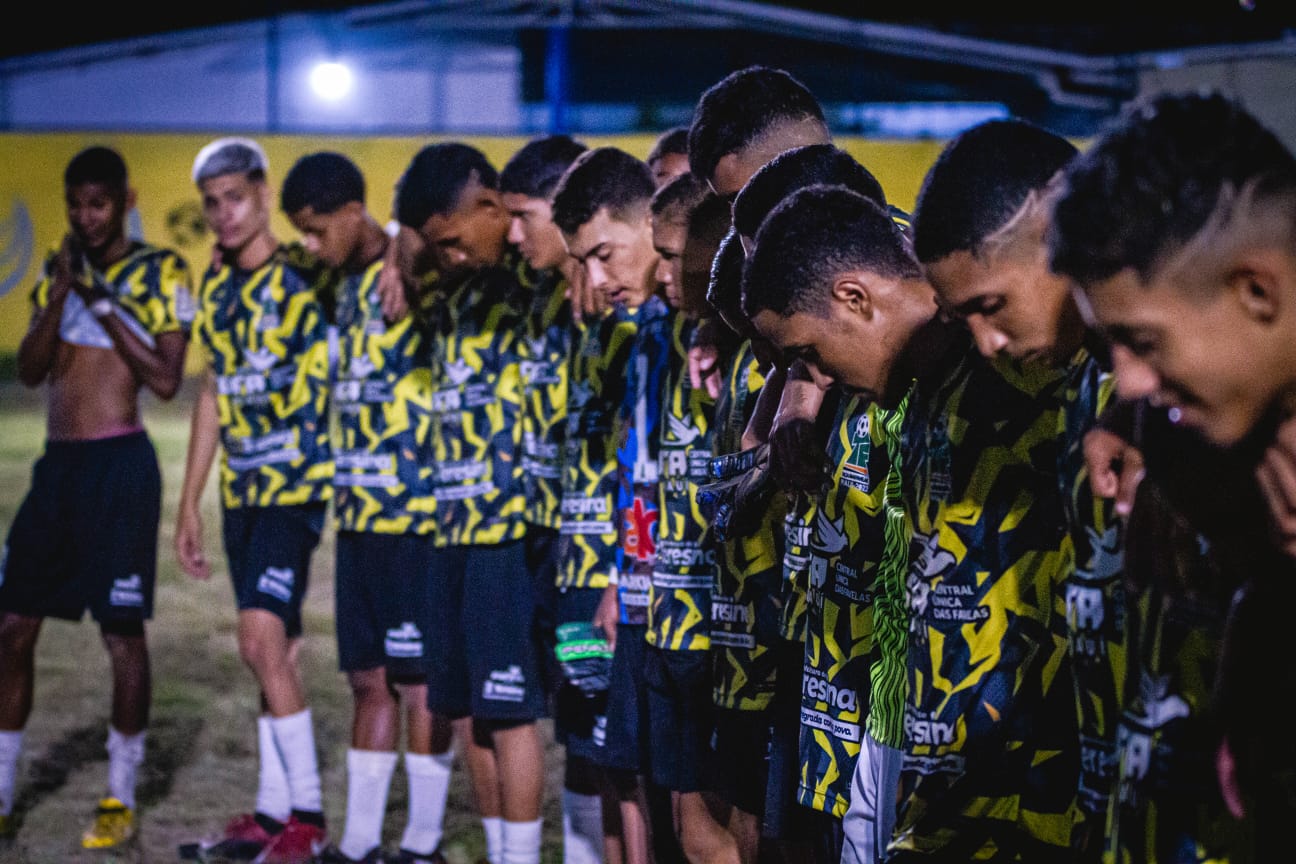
[127, 591]
[505, 685]
[277, 582]
[404, 642]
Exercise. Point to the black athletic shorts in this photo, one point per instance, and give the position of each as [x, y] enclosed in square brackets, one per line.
[85, 537]
[627, 746]
[580, 716]
[542, 562]
[483, 646]
[382, 602]
[681, 717]
[269, 551]
[740, 754]
[785, 817]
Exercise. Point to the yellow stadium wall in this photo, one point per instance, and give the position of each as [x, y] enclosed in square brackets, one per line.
[32, 218]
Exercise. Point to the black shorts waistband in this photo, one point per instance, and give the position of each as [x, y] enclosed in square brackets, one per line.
[126, 441]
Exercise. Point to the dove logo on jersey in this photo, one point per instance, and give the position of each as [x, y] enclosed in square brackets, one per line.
[1107, 555]
[459, 372]
[682, 430]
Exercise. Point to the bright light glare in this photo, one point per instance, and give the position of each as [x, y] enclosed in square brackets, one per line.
[331, 80]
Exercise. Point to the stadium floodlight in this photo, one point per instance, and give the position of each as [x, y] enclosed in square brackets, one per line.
[331, 80]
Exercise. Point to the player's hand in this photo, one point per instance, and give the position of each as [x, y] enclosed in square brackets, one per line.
[796, 447]
[68, 268]
[189, 545]
[1276, 474]
[587, 302]
[606, 616]
[704, 369]
[1115, 468]
[1230, 787]
[391, 294]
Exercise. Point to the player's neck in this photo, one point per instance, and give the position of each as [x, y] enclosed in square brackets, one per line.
[372, 247]
[256, 251]
[110, 253]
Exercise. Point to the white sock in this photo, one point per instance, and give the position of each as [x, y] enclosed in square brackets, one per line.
[272, 789]
[429, 784]
[125, 755]
[494, 828]
[295, 739]
[10, 749]
[369, 774]
[522, 842]
[582, 825]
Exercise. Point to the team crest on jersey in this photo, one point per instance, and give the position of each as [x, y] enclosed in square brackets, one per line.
[932, 562]
[269, 309]
[1135, 735]
[855, 473]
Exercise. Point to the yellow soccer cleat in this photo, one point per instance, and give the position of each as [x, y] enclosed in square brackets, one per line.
[114, 825]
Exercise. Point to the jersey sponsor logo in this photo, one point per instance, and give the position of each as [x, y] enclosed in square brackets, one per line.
[361, 460]
[538, 447]
[277, 582]
[1138, 728]
[640, 525]
[950, 763]
[367, 481]
[505, 685]
[459, 471]
[834, 727]
[127, 591]
[931, 563]
[459, 493]
[855, 473]
[544, 470]
[726, 611]
[445, 401]
[574, 505]
[818, 689]
[537, 372]
[726, 639]
[923, 731]
[681, 554]
[405, 641]
[633, 589]
[1085, 608]
[363, 392]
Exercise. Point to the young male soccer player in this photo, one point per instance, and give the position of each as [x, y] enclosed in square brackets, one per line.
[110, 317]
[854, 646]
[385, 515]
[526, 183]
[1190, 259]
[688, 224]
[985, 213]
[668, 157]
[601, 204]
[488, 665]
[264, 401]
[834, 281]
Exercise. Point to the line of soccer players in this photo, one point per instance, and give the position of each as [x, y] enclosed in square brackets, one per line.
[823, 533]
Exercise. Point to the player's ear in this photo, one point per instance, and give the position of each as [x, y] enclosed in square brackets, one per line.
[853, 290]
[1256, 287]
[130, 199]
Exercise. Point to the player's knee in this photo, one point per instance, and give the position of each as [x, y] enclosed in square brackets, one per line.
[18, 638]
[259, 652]
[370, 687]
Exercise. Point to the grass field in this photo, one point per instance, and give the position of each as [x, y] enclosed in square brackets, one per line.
[201, 763]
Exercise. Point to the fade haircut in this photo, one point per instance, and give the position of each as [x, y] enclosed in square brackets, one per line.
[1156, 177]
[673, 140]
[724, 288]
[324, 182]
[741, 108]
[602, 177]
[97, 164]
[980, 182]
[232, 155]
[810, 239]
[436, 178]
[675, 201]
[535, 170]
[796, 169]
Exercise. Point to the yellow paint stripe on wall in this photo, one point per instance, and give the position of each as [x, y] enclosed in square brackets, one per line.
[32, 217]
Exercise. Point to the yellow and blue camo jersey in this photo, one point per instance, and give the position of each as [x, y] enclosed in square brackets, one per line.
[991, 742]
[266, 332]
[679, 611]
[382, 398]
[544, 351]
[596, 392]
[477, 406]
[746, 605]
[1095, 606]
[847, 548]
[151, 289]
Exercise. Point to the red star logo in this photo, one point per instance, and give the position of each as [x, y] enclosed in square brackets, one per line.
[638, 523]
